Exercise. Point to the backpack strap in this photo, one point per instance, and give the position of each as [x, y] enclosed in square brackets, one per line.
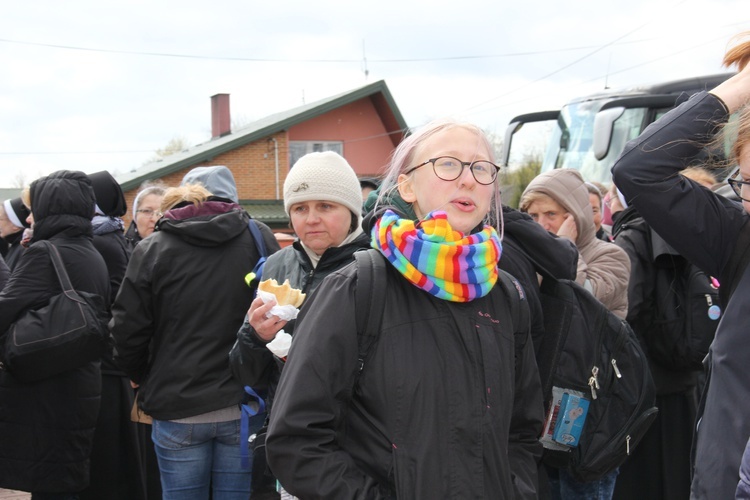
[737, 263]
[255, 276]
[519, 311]
[369, 300]
[514, 292]
[260, 243]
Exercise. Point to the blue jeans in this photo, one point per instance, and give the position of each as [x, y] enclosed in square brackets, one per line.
[565, 487]
[194, 457]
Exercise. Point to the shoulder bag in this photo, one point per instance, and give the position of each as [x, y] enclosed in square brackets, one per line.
[65, 334]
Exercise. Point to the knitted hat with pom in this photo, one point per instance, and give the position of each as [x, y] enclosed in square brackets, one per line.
[323, 176]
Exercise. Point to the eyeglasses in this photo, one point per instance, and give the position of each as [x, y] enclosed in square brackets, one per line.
[740, 188]
[448, 168]
[149, 213]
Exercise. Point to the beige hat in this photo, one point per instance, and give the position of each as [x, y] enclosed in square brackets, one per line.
[323, 176]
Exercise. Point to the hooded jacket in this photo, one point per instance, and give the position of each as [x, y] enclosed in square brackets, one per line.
[47, 427]
[703, 227]
[603, 268]
[448, 403]
[180, 305]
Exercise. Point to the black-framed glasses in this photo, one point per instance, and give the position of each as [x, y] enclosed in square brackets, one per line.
[740, 188]
[449, 168]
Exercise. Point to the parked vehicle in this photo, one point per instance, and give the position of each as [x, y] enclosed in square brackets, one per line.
[592, 131]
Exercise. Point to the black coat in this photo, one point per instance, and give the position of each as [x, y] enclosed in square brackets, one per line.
[47, 427]
[704, 227]
[529, 249]
[180, 305]
[442, 408]
[14, 249]
[4, 273]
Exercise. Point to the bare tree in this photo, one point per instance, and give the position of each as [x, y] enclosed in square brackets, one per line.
[175, 145]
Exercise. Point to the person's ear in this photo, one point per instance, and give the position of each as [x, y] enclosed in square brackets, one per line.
[406, 188]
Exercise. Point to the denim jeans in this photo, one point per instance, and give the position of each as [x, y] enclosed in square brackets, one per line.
[194, 457]
[564, 487]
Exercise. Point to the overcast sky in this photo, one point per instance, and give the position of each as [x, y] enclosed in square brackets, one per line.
[92, 85]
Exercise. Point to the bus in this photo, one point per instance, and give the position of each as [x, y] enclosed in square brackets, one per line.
[591, 131]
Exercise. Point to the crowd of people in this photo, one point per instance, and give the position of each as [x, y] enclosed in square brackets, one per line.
[447, 402]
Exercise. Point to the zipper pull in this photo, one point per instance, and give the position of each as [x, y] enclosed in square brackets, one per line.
[617, 370]
[593, 382]
[627, 444]
[709, 302]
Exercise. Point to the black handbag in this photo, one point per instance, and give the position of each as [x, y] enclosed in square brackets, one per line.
[65, 334]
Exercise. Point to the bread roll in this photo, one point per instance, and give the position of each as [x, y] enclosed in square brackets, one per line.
[284, 293]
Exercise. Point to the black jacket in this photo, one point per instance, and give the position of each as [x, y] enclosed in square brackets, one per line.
[442, 408]
[14, 249]
[115, 251]
[46, 428]
[4, 273]
[180, 305]
[252, 363]
[704, 227]
[529, 249]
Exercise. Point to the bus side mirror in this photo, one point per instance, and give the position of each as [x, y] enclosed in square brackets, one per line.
[604, 124]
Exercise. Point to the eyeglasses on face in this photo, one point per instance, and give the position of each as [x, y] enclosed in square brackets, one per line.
[149, 213]
[449, 168]
[740, 188]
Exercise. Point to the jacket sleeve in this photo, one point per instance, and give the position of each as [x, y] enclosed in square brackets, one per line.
[250, 360]
[697, 223]
[608, 275]
[524, 448]
[312, 400]
[4, 273]
[27, 288]
[132, 323]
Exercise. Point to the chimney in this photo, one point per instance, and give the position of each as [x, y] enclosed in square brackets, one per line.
[220, 122]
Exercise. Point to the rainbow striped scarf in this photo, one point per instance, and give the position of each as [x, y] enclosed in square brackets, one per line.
[438, 259]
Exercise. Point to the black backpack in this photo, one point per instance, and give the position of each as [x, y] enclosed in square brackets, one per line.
[592, 367]
[687, 311]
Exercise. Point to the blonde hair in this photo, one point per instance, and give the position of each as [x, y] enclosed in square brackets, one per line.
[191, 193]
[700, 175]
[26, 197]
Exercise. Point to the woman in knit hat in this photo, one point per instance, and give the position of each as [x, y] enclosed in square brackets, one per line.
[448, 401]
[323, 199]
[13, 215]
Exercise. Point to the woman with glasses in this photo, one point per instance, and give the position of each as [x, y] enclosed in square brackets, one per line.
[448, 402]
[711, 232]
[146, 213]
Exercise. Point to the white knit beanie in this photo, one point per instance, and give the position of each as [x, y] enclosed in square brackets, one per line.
[323, 176]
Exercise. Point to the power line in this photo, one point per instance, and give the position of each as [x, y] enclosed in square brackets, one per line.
[280, 60]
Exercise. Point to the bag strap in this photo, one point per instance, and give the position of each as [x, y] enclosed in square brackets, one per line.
[59, 265]
[260, 243]
[737, 263]
[369, 300]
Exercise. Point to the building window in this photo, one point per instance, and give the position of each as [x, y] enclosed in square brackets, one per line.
[298, 149]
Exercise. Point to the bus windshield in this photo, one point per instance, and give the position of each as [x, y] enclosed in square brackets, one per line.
[571, 142]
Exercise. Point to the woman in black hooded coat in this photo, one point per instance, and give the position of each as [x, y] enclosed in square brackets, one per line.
[47, 427]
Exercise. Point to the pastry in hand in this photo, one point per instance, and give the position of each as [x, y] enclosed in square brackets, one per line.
[284, 293]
